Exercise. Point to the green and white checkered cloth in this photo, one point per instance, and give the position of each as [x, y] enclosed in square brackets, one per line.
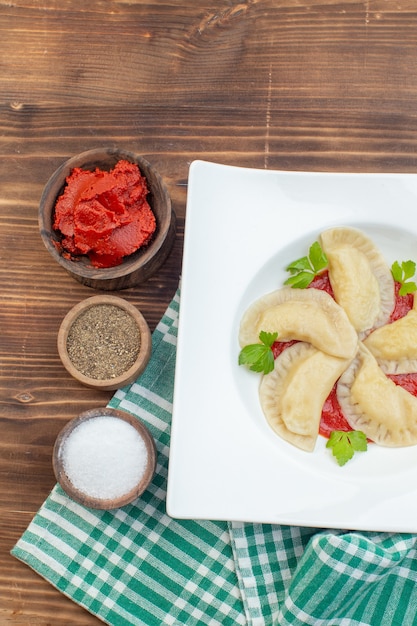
[136, 566]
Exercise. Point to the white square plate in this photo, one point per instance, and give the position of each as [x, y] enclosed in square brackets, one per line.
[243, 227]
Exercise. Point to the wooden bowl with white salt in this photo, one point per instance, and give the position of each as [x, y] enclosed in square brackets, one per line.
[104, 458]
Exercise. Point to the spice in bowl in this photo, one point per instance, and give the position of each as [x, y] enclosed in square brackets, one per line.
[105, 458]
[104, 342]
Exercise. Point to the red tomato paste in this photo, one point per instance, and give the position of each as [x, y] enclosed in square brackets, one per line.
[104, 215]
[403, 304]
[332, 417]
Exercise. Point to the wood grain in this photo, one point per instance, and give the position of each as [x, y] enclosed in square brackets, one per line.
[318, 85]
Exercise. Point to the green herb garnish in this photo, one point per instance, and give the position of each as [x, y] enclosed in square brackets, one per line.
[304, 270]
[345, 444]
[259, 356]
[402, 273]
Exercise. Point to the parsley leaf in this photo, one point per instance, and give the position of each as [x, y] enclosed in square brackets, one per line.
[259, 356]
[305, 269]
[402, 273]
[345, 444]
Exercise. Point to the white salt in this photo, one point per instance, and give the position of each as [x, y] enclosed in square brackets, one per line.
[104, 457]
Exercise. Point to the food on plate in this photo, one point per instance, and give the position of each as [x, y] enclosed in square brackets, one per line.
[292, 395]
[259, 357]
[395, 345]
[361, 280]
[374, 404]
[344, 444]
[304, 314]
[331, 338]
[402, 274]
[304, 270]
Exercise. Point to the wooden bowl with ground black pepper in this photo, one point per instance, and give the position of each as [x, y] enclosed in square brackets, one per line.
[105, 216]
[104, 342]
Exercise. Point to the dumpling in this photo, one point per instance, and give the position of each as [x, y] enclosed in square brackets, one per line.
[374, 404]
[361, 280]
[309, 315]
[395, 345]
[248, 331]
[293, 394]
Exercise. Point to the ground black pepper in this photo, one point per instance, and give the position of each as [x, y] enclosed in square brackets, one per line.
[103, 342]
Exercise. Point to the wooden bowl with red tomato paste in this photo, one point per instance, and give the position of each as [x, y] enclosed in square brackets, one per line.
[91, 225]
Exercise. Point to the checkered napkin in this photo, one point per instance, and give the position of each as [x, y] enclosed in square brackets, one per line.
[136, 566]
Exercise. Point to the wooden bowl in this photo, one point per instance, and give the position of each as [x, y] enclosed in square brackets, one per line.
[95, 379]
[137, 267]
[93, 461]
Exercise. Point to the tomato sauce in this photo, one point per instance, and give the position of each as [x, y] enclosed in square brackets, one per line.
[332, 417]
[403, 304]
[104, 215]
[406, 381]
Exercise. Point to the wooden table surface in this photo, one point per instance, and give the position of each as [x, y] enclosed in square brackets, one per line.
[320, 85]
